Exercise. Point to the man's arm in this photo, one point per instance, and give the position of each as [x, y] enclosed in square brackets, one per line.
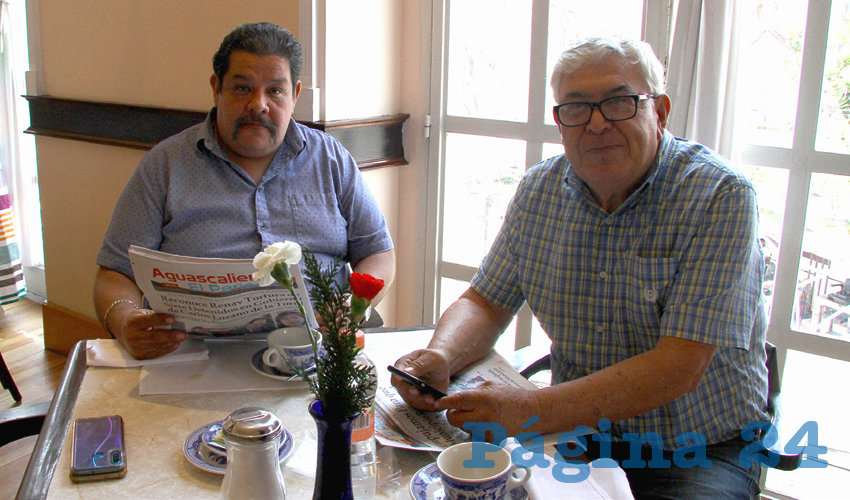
[380, 265]
[629, 388]
[465, 333]
[468, 331]
[118, 303]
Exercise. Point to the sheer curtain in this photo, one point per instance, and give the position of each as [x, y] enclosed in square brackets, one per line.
[17, 151]
[701, 73]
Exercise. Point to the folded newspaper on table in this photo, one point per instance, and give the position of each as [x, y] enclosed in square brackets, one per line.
[217, 297]
[400, 426]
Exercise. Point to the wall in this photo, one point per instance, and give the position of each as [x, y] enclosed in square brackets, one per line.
[362, 73]
[152, 53]
[413, 178]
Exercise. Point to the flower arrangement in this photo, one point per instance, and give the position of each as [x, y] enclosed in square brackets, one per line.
[343, 386]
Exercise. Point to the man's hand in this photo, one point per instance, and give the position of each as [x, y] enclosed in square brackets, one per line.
[429, 365]
[490, 402]
[137, 331]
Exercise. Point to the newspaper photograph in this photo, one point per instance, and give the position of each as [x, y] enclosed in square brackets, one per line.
[217, 297]
[402, 426]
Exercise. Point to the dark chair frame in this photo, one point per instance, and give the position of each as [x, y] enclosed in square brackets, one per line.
[7, 381]
[22, 421]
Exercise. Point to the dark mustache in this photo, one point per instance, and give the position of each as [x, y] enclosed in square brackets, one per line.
[261, 119]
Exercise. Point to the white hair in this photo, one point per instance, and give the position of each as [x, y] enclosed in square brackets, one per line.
[593, 50]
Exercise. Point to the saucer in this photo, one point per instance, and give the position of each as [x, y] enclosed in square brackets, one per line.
[269, 371]
[217, 446]
[203, 458]
[427, 485]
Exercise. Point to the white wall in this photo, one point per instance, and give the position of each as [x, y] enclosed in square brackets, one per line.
[362, 75]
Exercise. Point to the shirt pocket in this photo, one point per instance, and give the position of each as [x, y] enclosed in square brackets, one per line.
[646, 290]
[318, 222]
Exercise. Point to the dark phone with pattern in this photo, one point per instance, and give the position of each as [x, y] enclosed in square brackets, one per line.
[99, 451]
[420, 384]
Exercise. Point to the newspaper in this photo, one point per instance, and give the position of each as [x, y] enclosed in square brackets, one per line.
[401, 426]
[217, 297]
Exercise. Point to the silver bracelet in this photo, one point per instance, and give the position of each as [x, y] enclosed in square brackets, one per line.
[109, 310]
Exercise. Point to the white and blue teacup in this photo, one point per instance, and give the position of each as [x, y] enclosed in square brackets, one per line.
[294, 345]
[478, 483]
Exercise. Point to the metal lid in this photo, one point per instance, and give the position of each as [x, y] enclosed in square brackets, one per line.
[251, 426]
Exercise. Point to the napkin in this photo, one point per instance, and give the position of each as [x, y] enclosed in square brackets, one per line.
[109, 352]
[226, 356]
[606, 484]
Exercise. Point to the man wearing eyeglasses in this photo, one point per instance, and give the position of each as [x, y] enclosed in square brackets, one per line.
[637, 253]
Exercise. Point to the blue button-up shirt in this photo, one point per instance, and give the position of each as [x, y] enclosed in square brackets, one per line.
[679, 258]
[187, 198]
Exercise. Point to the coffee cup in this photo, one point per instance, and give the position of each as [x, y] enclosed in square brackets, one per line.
[478, 471]
[293, 345]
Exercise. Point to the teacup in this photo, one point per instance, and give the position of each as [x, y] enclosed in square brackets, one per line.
[477, 479]
[293, 345]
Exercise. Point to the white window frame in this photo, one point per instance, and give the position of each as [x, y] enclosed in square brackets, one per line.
[801, 161]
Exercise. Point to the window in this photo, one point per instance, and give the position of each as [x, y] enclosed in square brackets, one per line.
[792, 127]
[791, 135]
[496, 120]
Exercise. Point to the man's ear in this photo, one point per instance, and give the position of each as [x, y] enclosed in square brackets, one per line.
[215, 88]
[662, 110]
[297, 92]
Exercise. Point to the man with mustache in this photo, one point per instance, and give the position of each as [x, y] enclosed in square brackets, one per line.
[637, 252]
[247, 177]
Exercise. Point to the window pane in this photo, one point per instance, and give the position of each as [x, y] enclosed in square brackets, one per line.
[771, 186]
[550, 150]
[770, 61]
[450, 290]
[834, 118]
[481, 176]
[809, 393]
[489, 50]
[823, 282]
[570, 20]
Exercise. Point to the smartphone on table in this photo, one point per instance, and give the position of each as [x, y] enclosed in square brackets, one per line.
[420, 384]
[98, 451]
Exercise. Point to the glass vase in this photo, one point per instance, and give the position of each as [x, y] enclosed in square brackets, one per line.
[333, 456]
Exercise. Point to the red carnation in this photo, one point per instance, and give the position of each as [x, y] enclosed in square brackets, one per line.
[365, 286]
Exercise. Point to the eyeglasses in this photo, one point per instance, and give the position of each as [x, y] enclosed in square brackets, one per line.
[613, 109]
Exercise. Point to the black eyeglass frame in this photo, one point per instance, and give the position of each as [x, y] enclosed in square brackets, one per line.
[598, 105]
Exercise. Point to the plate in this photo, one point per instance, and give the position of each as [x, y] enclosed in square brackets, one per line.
[427, 485]
[203, 458]
[217, 448]
[263, 369]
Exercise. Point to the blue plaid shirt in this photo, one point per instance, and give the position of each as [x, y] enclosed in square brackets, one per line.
[679, 258]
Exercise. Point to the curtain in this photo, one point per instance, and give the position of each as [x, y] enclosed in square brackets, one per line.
[701, 73]
[19, 202]
[12, 286]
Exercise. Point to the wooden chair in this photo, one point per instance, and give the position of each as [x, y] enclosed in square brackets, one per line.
[7, 381]
[530, 360]
[22, 421]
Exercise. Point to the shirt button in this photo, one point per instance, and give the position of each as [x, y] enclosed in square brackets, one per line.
[600, 329]
[603, 275]
[262, 227]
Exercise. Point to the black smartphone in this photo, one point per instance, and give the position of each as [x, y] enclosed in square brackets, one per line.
[420, 384]
[98, 451]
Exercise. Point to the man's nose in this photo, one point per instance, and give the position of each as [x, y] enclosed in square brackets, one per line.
[258, 103]
[598, 123]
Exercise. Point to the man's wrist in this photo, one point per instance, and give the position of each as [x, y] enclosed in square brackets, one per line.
[109, 311]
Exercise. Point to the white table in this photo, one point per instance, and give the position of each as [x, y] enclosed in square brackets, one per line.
[156, 427]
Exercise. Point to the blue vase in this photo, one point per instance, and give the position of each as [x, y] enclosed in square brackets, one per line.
[333, 457]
